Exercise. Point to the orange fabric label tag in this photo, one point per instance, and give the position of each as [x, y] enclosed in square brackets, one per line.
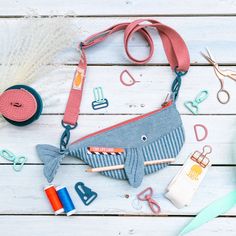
[78, 79]
[105, 149]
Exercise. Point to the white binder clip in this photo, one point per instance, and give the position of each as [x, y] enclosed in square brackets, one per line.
[181, 189]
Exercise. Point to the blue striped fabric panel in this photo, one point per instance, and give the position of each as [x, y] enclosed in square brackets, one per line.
[167, 146]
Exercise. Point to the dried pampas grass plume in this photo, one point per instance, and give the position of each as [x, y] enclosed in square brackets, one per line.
[26, 51]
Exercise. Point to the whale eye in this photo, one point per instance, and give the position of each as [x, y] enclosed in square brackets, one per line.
[144, 138]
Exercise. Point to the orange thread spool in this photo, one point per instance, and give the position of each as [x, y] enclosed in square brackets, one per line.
[54, 199]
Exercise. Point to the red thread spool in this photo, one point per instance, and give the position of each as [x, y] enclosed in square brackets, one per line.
[54, 199]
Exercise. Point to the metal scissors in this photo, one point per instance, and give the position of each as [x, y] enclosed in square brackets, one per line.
[221, 75]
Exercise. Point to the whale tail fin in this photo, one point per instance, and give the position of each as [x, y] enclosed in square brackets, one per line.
[51, 157]
[134, 167]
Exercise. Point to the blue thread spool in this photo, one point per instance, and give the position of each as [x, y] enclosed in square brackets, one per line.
[66, 201]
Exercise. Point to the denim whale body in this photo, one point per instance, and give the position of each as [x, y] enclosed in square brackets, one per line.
[156, 135]
[164, 137]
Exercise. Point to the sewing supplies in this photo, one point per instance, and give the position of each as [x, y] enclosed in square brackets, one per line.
[146, 195]
[131, 81]
[86, 195]
[188, 178]
[144, 138]
[20, 105]
[223, 95]
[193, 105]
[196, 131]
[99, 100]
[18, 161]
[54, 199]
[105, 150]
[119, 167]
[65, 199]
[28, 52]
[214, 209]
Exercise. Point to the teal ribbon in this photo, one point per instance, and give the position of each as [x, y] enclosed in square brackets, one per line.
[216, 208]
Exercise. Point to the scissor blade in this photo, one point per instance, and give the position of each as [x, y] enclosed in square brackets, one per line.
[210, 55]
[208, 58]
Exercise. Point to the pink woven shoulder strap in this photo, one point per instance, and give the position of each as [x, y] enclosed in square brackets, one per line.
[174, 46]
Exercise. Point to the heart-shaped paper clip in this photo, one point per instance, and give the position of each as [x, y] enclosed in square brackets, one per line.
[132, 80]
[196, 132]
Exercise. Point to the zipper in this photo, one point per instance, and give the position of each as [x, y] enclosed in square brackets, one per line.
[163, 106]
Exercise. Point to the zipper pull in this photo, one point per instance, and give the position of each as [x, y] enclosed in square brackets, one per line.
[167, 101]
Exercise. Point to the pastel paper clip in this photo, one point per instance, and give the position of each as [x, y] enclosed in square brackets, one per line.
[132, 80]
[99, 100]
[193, 105]
[146, 195]
[18, 162]
[98, 94]
[196, 128]
[86, 195]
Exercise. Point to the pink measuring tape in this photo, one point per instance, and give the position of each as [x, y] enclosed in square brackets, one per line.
[20, 105]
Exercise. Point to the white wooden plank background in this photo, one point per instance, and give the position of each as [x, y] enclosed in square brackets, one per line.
[208, 23]
[122, 7]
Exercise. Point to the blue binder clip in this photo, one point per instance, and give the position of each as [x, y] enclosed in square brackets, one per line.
[86, 195]
[99, 100]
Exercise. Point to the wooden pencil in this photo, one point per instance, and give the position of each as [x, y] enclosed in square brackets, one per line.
[119, 167]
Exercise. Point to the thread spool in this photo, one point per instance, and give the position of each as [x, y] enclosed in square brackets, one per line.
[20, 105]
[54, 199]
[66, 201]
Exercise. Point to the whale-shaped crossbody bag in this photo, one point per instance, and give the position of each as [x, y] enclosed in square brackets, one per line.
[157, 135]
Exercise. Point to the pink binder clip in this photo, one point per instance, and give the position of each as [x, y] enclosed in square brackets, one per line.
[146, 195]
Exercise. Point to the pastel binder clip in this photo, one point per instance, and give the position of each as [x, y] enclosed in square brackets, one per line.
[201, 157]
[184, 185]
[86, 195]
[99, 100]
